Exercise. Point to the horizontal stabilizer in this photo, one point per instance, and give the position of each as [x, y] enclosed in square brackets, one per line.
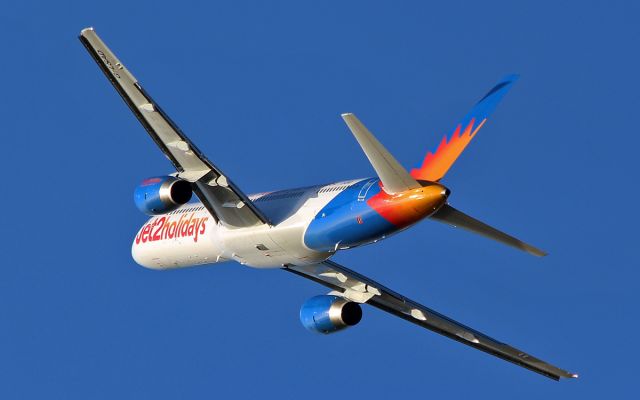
[455, 218]
[393, 175]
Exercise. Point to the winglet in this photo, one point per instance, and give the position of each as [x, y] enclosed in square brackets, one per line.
[393, 176]
[436, 164]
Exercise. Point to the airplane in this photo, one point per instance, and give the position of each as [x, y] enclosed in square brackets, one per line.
[299, 230]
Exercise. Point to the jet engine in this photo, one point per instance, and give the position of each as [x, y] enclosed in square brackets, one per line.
[161, 194]
[328, 314]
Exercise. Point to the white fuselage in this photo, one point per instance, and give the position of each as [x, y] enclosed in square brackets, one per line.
[190, 236]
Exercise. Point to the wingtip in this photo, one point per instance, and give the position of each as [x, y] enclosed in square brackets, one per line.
[87, 29]
[534, 250]
[540, 253]
[568, 375]
[344, 115]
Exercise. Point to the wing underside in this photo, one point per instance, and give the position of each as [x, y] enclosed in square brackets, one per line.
[216, 191]
[359, 288]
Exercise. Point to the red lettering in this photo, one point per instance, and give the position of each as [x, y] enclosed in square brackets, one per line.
[185, 226]
[179, 227]
[160, 225]
[198, 221]
[171, 232]
[164, 228]
[191, 226]
[203, 227]
[145, 232]
[151, 225]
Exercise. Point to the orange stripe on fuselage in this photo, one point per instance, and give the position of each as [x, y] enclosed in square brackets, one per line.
[408, 207]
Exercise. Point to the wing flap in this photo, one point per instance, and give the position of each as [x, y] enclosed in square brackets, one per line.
[343, 280]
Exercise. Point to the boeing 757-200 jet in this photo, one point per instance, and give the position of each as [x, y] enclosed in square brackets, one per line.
[299, 230]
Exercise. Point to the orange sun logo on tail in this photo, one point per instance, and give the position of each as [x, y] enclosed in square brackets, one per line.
[436, 165]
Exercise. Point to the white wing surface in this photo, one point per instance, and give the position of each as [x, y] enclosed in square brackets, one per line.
[216, 191]
[358, 288]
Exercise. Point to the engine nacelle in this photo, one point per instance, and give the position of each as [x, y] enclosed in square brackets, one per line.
[161, 194]
[328, 314]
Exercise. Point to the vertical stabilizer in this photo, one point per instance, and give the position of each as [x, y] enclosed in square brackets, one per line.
[436, 164]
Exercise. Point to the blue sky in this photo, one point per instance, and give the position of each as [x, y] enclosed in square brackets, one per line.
[259, 86]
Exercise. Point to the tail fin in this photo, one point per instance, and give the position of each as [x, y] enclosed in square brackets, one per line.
[436, 165]
[455, 218]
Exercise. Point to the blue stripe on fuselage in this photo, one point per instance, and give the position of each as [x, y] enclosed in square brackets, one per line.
[347, 220]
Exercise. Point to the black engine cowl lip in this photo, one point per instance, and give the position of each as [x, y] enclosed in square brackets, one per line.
[180, 191]
[351, 313]
[175, 192]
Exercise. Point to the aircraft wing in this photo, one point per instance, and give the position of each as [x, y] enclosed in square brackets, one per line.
[216, 191]
[358, 288]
